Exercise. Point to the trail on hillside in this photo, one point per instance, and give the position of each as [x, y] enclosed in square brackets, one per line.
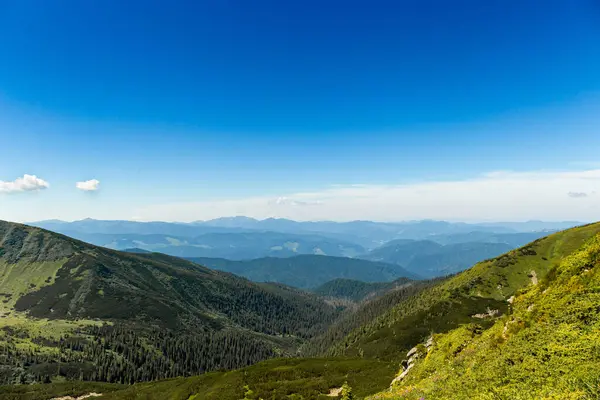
[534, 278]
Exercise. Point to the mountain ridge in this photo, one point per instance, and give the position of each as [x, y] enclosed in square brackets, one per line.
[308, 271]
[488, 284]
[57, 292]
[368, 234]
[430, 259]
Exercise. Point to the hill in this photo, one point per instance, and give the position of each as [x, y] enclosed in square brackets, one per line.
[75, 310]
[458, 300]
[308, 271]
[430, 259]
[279, 379]
[544, 346]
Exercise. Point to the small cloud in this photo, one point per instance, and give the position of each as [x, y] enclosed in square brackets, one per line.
[88, 186]
[282, 201]
[577, 195]
[28, 183]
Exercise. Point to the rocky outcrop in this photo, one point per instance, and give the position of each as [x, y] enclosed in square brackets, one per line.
[85, 396]
[412, 356]
[488, 314]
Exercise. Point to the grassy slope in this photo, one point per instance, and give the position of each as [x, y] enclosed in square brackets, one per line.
[547, 347]
[51, 276]
[273, 379]
[446, 306]
[52, 286]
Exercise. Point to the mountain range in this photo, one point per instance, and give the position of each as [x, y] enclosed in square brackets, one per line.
[421, 248]
[367, 234]
[430, 259]
[230, 245]
[523, 324]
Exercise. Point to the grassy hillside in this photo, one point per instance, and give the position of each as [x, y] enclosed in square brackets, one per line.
[546, 346]
[355, 319]
[72, 310]
[444, 307]
[308, 271]
[280, 379]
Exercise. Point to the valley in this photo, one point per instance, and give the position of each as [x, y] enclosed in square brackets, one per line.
[78, 319]
[299, 200]
[78, 311]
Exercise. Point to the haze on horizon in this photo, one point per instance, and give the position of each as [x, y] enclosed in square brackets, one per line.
[386, 111]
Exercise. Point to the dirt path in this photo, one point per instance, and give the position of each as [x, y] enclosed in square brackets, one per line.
[85, 396]
[534, 278]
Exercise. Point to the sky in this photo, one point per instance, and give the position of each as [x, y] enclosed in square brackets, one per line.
[342, 110]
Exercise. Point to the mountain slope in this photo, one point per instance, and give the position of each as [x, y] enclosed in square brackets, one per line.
[308, 271]
[454, 258]
[279, 379]
[402, 251]
[53, 286]
[443, 307]
[430, 259]
[545, 346]
[355, 290]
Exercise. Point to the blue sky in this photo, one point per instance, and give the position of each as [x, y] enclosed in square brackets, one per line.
[192, 110]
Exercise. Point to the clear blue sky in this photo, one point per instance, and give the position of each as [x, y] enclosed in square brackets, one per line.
[177, 101]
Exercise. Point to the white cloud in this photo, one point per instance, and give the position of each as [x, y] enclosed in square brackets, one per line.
[295, 203]
[496, 196]
[88, 186]
[577, 195]
[28, 183]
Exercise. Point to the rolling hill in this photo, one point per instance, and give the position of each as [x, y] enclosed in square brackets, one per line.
[516, 239]
[443, 307]
[545, 346]
[308, 271]
[63, 300]
[230, 245]
[429, 259]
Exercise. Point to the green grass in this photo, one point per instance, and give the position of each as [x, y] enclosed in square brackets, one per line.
[273, 379]
[50, 391]
[18, 279]
[452, 303]
[546, 347]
